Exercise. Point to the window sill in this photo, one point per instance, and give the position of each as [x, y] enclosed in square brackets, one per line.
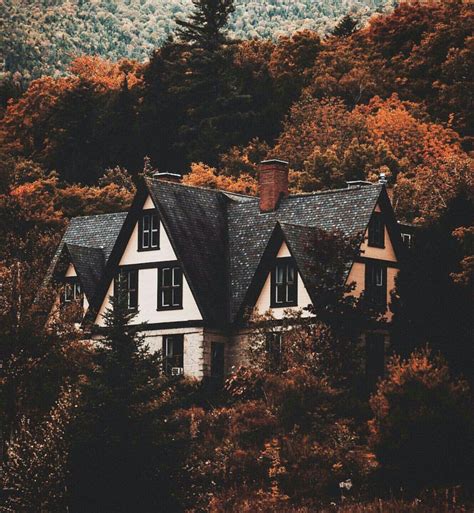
[166, 308]
[282, 305]
[379, 246]
[143, 250]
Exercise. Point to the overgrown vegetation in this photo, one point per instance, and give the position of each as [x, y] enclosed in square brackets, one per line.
[294, 431]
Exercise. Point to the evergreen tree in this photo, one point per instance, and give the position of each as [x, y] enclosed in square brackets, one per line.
[115, 454]
[346, 26]
[206, 26]
[213, 108]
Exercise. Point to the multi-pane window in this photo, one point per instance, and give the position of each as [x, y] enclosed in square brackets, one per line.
[72, 291]
[173, 354]
[170, 286]
[149, 231]
[376, 284]
[377, 231]
[284, 283]
[127, 284]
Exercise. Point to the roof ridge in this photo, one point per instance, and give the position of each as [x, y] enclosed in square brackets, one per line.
[329, 191]
[99, 215]
[200, 187]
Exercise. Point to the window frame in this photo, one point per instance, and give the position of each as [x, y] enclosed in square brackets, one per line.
[78, 293]
[175, 268]
[167, 366]
[128, 272]
[376, 235]
[376, 283]
[154, 228]
[274, 303]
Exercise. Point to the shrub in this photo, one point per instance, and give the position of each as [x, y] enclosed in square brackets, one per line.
[422, 430]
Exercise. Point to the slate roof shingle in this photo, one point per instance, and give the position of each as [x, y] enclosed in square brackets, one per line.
[220, 237]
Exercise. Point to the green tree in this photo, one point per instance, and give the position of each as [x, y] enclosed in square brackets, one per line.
[346, 26]
[115, 452]
[206, 26]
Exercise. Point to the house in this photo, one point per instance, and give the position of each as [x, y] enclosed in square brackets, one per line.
[193, 260]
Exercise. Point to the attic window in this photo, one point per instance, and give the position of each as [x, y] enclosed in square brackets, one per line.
[284, 283]
[72, 291]
[149, 231]
[377, 231]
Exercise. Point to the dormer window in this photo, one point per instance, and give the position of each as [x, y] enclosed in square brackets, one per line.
[284, 284]
[377, 231]
[149, 231]
[72, 291]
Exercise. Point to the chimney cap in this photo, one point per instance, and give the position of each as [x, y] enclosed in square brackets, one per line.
[170, 177]
[357, 183]
[275, 161]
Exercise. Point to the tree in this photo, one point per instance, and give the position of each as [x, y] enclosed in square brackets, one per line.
[117, 421]
[345, 27]
[422, 430]
[206, 26]
[35, 471]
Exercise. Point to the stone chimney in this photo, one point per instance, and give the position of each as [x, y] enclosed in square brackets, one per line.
[273, 183]
[167, 177]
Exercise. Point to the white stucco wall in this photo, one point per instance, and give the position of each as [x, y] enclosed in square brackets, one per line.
[148, 282]
[264, 300]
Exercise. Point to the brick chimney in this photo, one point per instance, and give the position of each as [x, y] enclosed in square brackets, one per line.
[273, 183]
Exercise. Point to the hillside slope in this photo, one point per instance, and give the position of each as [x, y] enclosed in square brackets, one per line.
[41, 37]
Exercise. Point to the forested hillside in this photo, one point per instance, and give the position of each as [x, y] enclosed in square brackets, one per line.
[100, 428]
[42, 37]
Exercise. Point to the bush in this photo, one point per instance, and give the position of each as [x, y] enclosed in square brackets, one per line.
[422, 430]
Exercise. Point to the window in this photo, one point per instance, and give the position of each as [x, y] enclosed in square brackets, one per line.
[72, 291]
[284, 283]
[407, 240]
[217, 360]
[374, 357]
[273, 347]
[149, 231]
[376, 284]
[127, 283]
[173, 355]
[377, 231]
[170, 286]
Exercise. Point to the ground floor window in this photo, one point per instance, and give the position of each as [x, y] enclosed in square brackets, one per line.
[217, 360]
[173, 354]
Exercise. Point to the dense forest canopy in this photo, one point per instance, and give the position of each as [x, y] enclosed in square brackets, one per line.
[348, 101]
[41, 38]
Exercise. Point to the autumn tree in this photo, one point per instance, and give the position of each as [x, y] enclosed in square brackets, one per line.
[422, 426]
[36, 467]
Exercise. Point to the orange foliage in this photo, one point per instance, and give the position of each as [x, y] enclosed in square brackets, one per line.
[202, 175]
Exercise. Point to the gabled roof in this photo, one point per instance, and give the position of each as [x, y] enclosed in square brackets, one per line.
[221, 238]
[87, 244]
[348, 210]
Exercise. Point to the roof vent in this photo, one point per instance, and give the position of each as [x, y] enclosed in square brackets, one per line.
[273, 183]
[358, 183]
[167, 177]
